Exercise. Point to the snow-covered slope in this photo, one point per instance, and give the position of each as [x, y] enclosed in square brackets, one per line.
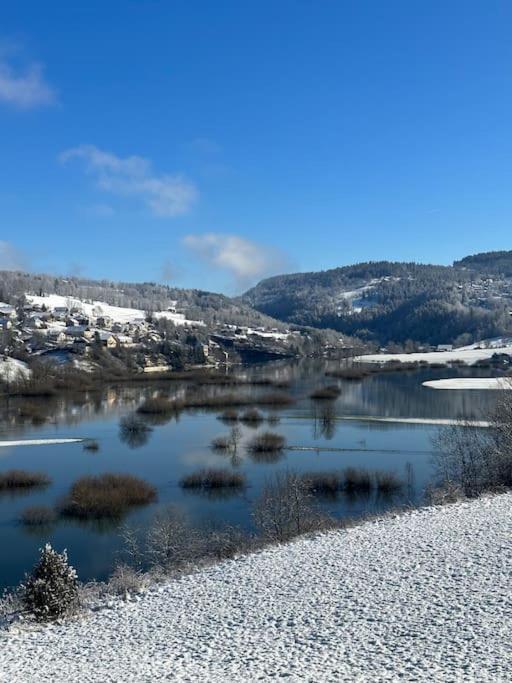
[100, 308]
[422, 597]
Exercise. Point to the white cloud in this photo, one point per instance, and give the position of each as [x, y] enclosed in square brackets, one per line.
[165, 195]
[11, 258]
[246, 261]
[24, 88]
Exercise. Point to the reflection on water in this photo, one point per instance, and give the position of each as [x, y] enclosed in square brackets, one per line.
[172, 447]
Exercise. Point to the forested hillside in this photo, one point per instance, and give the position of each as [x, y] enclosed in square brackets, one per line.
[386, 301]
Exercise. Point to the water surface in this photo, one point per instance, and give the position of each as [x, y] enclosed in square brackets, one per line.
[179, 446]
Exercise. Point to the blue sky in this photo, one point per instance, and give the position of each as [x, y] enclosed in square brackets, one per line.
[209, 144]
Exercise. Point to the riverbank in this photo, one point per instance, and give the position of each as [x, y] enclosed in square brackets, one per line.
[422, 596]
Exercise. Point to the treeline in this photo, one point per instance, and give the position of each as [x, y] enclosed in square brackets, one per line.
[490, 262]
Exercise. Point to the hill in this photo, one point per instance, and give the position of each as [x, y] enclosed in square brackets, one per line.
[395, 302]
[129, 328]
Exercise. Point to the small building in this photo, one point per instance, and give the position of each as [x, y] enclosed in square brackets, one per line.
[35, 323]
[124, 340]
[104, 321]
[7, 311]
[107, 339]
[444, 347]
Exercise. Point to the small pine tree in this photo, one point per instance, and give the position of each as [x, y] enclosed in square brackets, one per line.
[51, 590]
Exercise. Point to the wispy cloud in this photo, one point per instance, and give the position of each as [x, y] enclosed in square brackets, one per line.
[23, 85]
[11, 258]
[244, 260]
[133, 176]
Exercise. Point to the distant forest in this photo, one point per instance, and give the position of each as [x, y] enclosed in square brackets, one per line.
[430, 304]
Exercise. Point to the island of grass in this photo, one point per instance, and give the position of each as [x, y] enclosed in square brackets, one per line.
[106, 496]
[213, 478]
[267, 442]
[22, 479]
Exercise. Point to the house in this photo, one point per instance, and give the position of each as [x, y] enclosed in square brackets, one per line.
[60, 311]
[124, 340]
[104, 321]
[7, 311]
[57, 336]
[35, 323]
[444, 347]
[83, 320]
[78, 331]
[107, 339]
[81, 345]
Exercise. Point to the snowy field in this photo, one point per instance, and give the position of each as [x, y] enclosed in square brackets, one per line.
[466, 354]
[493, 383]
[100, 308]
[422, 597]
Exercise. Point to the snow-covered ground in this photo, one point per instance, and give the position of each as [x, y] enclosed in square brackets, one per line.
[100, 308]
[470, 383]
[468, 355]
[425, 596]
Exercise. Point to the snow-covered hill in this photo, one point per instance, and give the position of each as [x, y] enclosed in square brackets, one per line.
[102, 309]
[421, 597]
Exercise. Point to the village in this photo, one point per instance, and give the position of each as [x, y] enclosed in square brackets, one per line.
[66, 329]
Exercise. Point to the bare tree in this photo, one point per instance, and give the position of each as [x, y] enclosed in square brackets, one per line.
[171, 541]
[284, 508]
[475, 460]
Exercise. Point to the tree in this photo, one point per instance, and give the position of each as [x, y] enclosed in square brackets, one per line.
[285, 509]
[51, 590]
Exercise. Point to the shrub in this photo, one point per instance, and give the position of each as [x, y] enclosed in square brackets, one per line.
[252, 416]
[33, 412]
[91, 445]
[51, 590]
[106, 495]
[125, 581]
[213, 478]
[444, 494]
[356, 480]
[134, 431]
[274, 398]
[229, 416]
[354, 373]
[237, 400]
[159, 406]
[171, 541]
[322, 482]
[40, 515]
[268, 442]
[221, 443]
[326, 393]
[284, 509]
[387, 482]
[21, 479]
